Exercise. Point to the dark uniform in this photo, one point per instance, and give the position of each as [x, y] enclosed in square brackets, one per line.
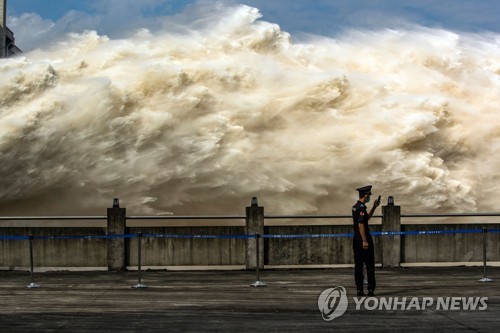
[363, 256]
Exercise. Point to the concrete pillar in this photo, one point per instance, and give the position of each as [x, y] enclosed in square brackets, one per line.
[254, 224]
[391, 245]
[116, 246]
[3, 28]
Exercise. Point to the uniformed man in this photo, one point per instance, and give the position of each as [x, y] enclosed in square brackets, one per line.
[362, 241]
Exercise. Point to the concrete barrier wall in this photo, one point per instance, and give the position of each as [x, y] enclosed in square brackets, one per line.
[467, 247]
[53, 253]
[188, 251]
[156, 251]
[312, 251]
[457, 247]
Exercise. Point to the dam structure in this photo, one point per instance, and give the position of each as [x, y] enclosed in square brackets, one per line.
[8, 46]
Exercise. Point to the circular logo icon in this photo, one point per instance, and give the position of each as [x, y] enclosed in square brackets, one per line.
[332, 303]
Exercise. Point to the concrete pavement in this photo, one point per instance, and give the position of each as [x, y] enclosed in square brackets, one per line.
[198, 301]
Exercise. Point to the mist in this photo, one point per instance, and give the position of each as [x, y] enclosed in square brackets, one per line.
[218, 106]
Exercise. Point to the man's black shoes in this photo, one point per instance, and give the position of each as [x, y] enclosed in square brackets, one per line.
[361, 293]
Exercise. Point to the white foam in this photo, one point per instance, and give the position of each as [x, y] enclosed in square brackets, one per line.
[203, 116]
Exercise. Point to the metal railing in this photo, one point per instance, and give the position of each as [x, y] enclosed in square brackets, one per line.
[452, 215]
[236, 217]
[187, 217]
[50, 218]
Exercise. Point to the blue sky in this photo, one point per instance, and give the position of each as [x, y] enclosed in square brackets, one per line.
[48, 19]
